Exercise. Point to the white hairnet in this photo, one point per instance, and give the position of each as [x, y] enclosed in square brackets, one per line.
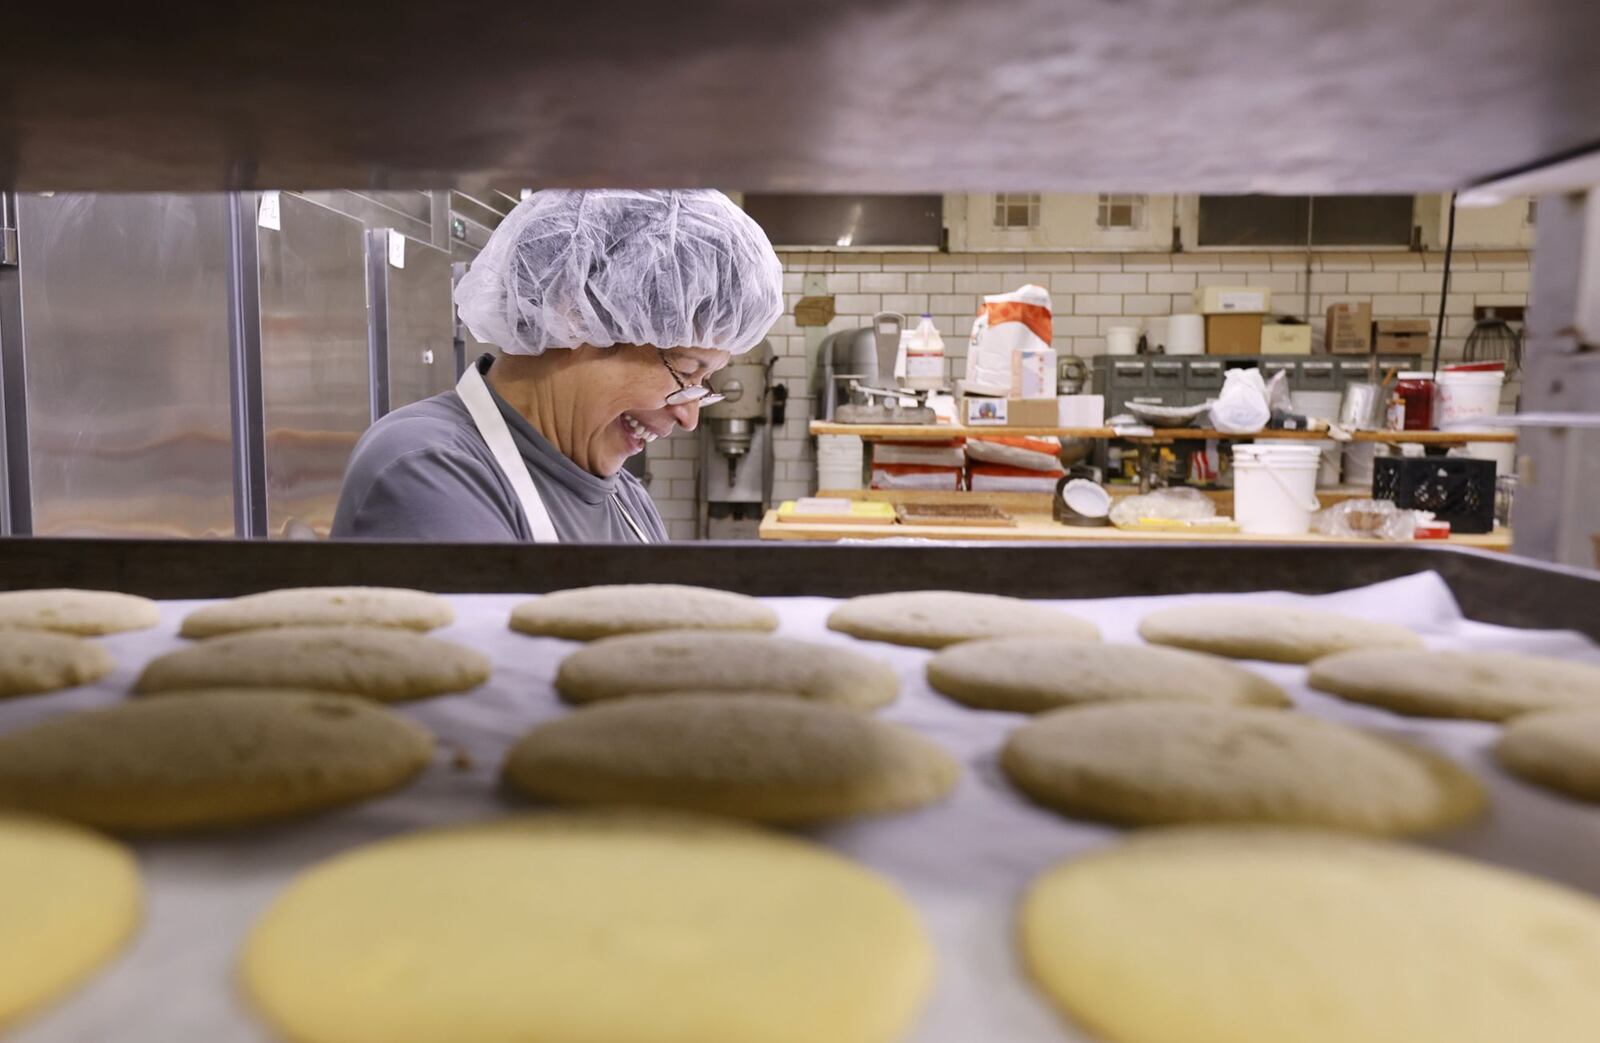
[671, 269]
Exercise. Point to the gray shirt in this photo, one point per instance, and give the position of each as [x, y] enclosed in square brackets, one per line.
[425, 473]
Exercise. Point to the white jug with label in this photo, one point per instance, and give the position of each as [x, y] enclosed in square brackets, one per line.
[921, 365]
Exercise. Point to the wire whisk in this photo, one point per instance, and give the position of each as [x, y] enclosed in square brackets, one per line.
[1493, 339]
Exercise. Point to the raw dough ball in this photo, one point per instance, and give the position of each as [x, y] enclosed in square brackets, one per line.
[382, 663]
[682, 661]
[322, 606]
[1557, 749]
[586, 613]
[1292, 936]
[69, 899]
[639, 928]
[209, 759]
[1486, 686]
[87, 613]
[34, 661]
[936, 618]
[748, 756]
[1031, 674]
[1149, 763]
[1280, 633]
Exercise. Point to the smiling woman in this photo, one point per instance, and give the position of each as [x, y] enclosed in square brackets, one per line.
[611, 310]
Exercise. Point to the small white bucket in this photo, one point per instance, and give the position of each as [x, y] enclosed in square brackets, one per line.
[1122, 340]
[1275, 488]
[1466, 395]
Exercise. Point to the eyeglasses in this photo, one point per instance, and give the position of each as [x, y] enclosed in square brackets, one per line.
[686, 393]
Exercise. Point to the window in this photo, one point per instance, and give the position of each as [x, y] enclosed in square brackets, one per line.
[1121, 211]
[1283, 220]
[842, 221]
[1016, 210]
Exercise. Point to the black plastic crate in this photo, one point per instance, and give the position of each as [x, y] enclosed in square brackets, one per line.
[1457, 489]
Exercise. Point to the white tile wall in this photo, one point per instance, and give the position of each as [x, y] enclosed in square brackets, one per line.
[1090, 292]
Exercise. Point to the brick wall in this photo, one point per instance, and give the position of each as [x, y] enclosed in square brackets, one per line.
[1090, 292]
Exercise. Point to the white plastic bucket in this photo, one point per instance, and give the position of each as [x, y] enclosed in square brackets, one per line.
[1275, 488]
[1186, 335]
[1122, 340]
[1466, 395]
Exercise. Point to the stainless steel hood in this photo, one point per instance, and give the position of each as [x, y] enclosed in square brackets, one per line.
[830, 95]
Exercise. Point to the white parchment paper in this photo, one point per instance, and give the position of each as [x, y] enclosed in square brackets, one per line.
[963, 863]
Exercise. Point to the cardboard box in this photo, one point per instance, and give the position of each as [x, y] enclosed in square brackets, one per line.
[1225, 300]
[1233, 334]
[1279, 339]
[1349, 329]
[1402, 336]
[1010, 412]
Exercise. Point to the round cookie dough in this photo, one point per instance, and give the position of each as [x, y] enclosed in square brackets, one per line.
[587, 613]
[1149, 763]
[321, 606]
[210, 759]
[382, 663]
[1556, 749]
[87, 613]
[69, 899]
[936, 618]
[34, 661]
[1485, 686]
[1034, 674]
[1293, 936]
[1279, 633]
[684, 661]
[747, 756]
[645, 928]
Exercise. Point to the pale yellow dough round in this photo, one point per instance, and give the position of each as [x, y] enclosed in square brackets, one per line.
[321, 606]
[747, 756]
[1033, 674]
[629, 927]
[1279, 633]
[1152, 763]
[87, 613]
[685, 661]
[34, 661]
[587, 613]
[382, 663]
[1485, 686]
[1556, 749]
[1282, 936]
[69, 900]
[208, 760]
[936, 618]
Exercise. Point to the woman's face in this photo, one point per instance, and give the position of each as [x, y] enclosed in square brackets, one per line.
[621, 398]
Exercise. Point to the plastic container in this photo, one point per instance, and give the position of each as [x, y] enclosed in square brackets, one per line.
[1122, 340]
[1467, 395]
[1415, 390]
[1186, 335]
[924, 356]
[1275, 488]
[1324, 405]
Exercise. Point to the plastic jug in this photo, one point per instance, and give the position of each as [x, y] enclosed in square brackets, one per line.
[922, 357]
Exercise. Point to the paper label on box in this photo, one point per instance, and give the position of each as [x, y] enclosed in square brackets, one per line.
[270, 215]
[986, 411]
[1240, 301]
[397, 249]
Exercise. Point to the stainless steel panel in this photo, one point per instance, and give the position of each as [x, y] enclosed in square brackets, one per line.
[418, 352]
[832, 95]
[125, 346]
[315, 378]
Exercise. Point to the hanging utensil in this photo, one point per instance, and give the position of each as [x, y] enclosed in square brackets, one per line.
[1494, 340]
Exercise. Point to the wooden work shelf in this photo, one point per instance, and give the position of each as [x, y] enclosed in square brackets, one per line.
[1040, 527]
[941, 432]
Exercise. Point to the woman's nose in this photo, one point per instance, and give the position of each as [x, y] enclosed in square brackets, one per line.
[685, 414]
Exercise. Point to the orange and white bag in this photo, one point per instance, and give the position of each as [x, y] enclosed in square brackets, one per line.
[1009, 325]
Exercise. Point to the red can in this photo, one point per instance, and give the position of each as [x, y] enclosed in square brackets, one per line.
[1415, 391]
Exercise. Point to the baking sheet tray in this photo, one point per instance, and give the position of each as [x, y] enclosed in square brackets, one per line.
[963, 862]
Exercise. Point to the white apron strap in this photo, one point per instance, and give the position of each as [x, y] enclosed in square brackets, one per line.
[492, 426]
[628, 517]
